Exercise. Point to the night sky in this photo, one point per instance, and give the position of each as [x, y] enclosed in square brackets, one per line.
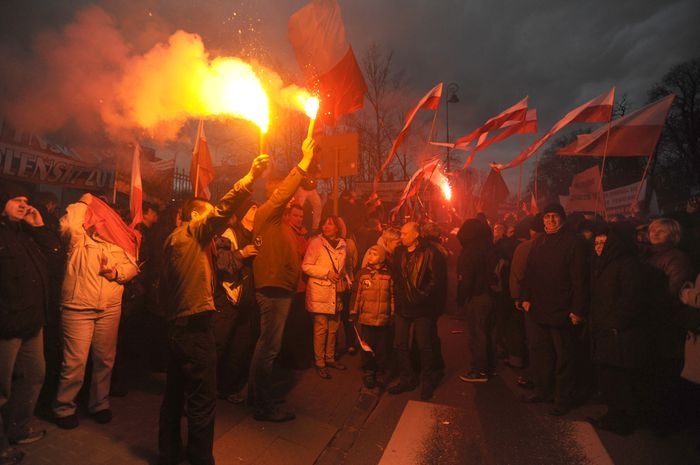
[560, 53]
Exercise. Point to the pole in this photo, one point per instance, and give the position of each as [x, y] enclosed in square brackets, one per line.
[537, 169]
[644, 175]
[447, 128]
[602, 170]
[114, 186]
[336, 180]
[196, 180]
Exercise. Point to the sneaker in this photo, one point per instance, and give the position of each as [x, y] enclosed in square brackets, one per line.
[274, 415]
[323, 373]
[235, 398]
[102, 416]
[69, 422]
[474, 377]
[31, 437]
[352, 350]
[369, 381]
[336, 365]
[401, 387]
[11, 456]
[559, 410]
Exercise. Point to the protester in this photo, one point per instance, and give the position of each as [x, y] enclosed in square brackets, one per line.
[101, 259]
[236, 319]
[555, 299]
[419, 279]
[26, 246]
[324, 263]
[187, 295]
[475, 273]
[297, 350]
[669, 268]
[372, 306]
[620, 327]
[277, 271]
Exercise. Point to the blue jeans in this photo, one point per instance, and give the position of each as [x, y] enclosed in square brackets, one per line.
[274, 306]
[21, 376]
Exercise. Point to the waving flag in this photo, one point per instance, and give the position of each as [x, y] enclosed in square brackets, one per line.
[597, 110]
[430, 101]
[136, 191]
[201, 167]
[515, 113]
[413, 184]
[633, 135]
[317, 34]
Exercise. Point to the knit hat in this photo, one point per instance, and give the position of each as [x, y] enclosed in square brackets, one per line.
[554, 208]
[380, 252]
[10, 190]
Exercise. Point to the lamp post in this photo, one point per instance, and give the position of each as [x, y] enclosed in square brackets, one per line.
[450, 97]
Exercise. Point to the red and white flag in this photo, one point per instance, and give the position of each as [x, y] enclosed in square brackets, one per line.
[430, 101]
[413, 184]
[633, 135]
[509, 128]
[597, 110]
[201, 167]
[516, 112]
[317, 34]
[136, 190]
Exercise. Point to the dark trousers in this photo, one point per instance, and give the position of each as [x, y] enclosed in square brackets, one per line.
[21, 375]
[274, 307]
[190, 385]
[297, 351]
[553, 360]
[423, 335]
[480, 325]
[510, 326]
[376, 337]
[236, 332]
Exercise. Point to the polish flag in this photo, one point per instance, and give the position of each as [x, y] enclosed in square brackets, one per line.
[633, 135]
[413, 184]
[136, 190]
[517, 112]
[430, 101]
[201, 167]
[597, 110]
[509, 128]
[317, 34]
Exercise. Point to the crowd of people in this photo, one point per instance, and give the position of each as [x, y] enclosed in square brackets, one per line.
[223, 291]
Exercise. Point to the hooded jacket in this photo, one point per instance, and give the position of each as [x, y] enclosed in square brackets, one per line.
[476, 261]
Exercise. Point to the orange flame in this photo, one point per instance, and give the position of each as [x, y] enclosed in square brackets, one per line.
[232, 88]
[446, 189]
[310, 105]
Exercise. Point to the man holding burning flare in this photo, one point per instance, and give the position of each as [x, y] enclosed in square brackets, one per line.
[187, 283]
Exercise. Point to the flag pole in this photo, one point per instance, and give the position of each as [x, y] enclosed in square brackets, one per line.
[537, 169]
[602, 170]
[114, 186]
[644, 175]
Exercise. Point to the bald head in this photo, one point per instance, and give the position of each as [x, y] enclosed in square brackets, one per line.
[410, 233]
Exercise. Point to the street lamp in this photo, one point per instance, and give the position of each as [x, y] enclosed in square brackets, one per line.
[450, 97]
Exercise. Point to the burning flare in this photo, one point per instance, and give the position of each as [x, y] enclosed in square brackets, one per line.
[310, 104]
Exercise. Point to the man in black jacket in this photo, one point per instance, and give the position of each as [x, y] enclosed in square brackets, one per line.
[475, 274]
[25, 247]
[419, 274]
[555, 299]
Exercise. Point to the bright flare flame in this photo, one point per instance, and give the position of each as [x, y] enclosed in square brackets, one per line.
[232, 88]
[446, 189]
[310, 105]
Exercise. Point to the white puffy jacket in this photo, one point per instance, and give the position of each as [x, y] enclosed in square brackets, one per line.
[319, 259]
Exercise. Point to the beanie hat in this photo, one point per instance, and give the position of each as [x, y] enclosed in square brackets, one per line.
[554, 208]
[10, 190]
